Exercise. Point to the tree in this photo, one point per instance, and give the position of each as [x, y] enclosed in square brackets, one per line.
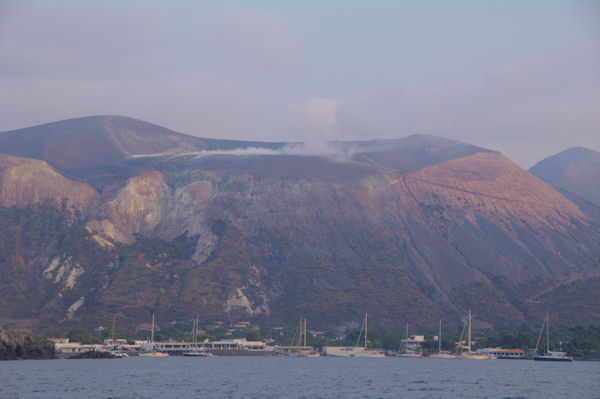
[253, 334]
[82, 335]
[390, 341]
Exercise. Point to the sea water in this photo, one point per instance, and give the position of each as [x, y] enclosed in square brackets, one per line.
[293, 377]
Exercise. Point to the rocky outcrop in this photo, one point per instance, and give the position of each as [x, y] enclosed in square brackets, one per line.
[147, 206]
[27, 181]
[136, 209]
[14, 346]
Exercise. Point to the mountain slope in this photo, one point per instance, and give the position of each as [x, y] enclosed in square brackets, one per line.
[101, 140]
[576, 170]
[413, 229]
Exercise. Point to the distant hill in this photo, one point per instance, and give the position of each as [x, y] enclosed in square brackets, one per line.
[576, 170]
[415, 229]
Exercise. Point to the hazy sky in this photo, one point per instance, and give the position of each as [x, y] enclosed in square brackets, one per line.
[521, 77]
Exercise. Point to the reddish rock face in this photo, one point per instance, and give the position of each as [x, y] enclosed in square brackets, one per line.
[27, 181]
[414, 229]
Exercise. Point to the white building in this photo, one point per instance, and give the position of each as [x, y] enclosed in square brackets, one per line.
[413, 342]
[63, 346]
[230, 344]
[115, 342]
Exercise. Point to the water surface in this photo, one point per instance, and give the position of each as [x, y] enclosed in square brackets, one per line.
[292, 377]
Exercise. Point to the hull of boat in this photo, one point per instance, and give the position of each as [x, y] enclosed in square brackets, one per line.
[473, 357]
[552, 359]
[351, 351]
[375, 355]
[154, 354]
[414, 355]
[442, 356]
[198, 354]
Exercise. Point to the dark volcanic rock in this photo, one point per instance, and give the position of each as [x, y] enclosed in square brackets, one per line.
[15, 346]
[93, 355]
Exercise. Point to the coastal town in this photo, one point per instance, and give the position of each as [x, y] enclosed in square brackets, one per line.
[410, 345]
[242, 347]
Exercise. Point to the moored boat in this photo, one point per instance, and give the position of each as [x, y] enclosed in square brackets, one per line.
[153, 352]
[403, 350]
[469, 354]
[441, 354]
[548, 355]
[355, 351]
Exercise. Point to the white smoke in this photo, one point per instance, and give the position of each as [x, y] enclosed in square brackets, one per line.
[337, 151]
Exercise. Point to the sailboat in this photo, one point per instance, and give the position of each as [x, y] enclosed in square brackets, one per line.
[549, 356]
[440, 354]
[403, 351]
[195, 351]
[113, 344]
[304, 350]
[355, 351]
[469, 354]
[153, 352]
[366, 352]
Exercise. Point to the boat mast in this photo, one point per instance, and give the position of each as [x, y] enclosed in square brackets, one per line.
[366, 316]
[547, 332]
[112, 332]
[440, 338]
[469, 333]
[152, 339]
[304, 330]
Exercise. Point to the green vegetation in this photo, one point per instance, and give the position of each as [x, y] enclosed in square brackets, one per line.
[583, 342]
[252, 334]
[83, 336]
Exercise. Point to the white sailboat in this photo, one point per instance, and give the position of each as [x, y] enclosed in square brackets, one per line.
[153, 352]
[194, 350]
[403, 350]
[469, 354]
[441, 354]
[355, 351]
[549, 356]
[112, 346]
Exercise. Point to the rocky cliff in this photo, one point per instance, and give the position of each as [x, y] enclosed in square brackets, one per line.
[14, 346]
[27, 181]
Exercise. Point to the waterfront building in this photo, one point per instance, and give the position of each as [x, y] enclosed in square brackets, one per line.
[500, 353]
